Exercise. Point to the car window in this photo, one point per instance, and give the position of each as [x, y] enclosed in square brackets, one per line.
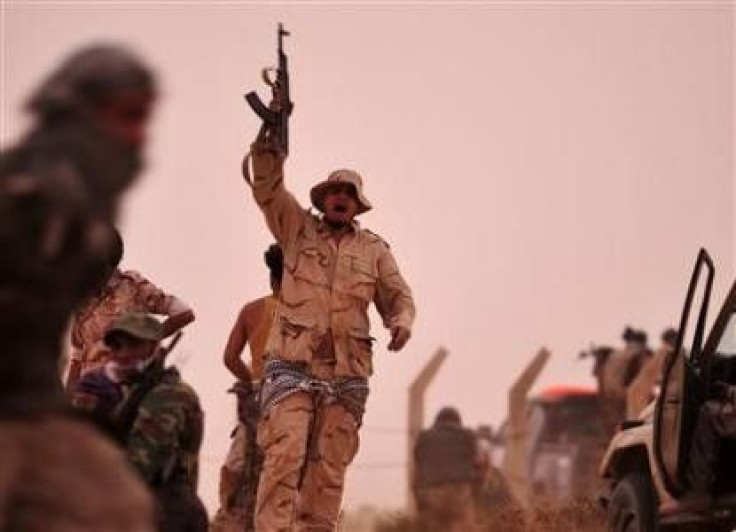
[727, 343]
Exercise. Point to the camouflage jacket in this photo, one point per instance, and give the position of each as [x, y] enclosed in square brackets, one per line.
[164, 440]
[96, 396]
[53, 250]
[326, 289]
[126, 291]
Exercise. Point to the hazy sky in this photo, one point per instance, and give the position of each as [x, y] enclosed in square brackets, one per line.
[544, 173]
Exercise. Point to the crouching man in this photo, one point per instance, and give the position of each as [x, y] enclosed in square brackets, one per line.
[153, 413]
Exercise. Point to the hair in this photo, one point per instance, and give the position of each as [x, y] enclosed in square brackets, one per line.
[88, 78]
[634, 335]
[448, 415]
[117, 248]
[669, 336]
[274, 258]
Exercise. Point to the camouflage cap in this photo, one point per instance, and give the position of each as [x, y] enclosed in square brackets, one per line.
[319, 191]
[136, 324]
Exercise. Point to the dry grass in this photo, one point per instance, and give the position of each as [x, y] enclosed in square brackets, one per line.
[583, 515]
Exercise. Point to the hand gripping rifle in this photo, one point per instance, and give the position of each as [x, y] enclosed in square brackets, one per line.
[275, 128]
[126, 412]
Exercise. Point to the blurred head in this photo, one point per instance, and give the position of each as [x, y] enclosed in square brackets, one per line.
[628, 334]
[125, 115]
[669, 337]
[448, 415]
[634, 337]
[274, 258]
[107, 82]
[94, 110]
[340, 197]
[485, 432]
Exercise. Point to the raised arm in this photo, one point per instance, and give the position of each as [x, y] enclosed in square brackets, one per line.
[156, 301]
[284, 216]
[179, 316]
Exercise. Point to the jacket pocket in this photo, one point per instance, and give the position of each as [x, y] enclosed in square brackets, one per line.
[362, 280]
[297, 337]
[361, 352]
[311, 265]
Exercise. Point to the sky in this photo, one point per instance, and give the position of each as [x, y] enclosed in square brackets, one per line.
[545, 173]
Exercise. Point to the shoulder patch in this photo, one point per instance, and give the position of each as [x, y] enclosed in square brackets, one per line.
[374, 237]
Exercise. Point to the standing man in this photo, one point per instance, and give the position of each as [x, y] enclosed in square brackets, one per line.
[123, 291]
[447, 466]
[59, 190]
[254, 324]
[319, 349]
[239, 475]
[643, 389]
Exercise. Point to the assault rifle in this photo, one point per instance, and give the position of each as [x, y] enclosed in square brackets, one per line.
[126, 412]
[275, 116]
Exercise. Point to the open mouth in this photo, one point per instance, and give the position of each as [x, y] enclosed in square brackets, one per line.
[339, 208]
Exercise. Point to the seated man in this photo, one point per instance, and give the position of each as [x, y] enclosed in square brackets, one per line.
[99, 392]
[154, 414]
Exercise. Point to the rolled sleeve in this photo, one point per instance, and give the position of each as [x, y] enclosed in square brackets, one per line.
[282, 211]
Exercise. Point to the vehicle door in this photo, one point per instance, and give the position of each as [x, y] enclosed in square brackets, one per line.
[675, 409]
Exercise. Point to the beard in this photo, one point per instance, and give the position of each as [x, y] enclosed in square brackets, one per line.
[336, 224]
[103, 166]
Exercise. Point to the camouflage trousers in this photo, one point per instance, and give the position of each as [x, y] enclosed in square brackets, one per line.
[283, 504]
[446, 508]
[238, 483]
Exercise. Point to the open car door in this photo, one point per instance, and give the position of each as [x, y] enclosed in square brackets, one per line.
[676, 408]
[718, 358]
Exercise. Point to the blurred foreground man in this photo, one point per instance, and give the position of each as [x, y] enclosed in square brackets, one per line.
[122, 291]
[447, 465]
[319, 349]
[59, 188]
[239, 475]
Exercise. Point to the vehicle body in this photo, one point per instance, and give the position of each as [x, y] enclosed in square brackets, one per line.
[647, 461]
[553, 441]
[567, 439]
